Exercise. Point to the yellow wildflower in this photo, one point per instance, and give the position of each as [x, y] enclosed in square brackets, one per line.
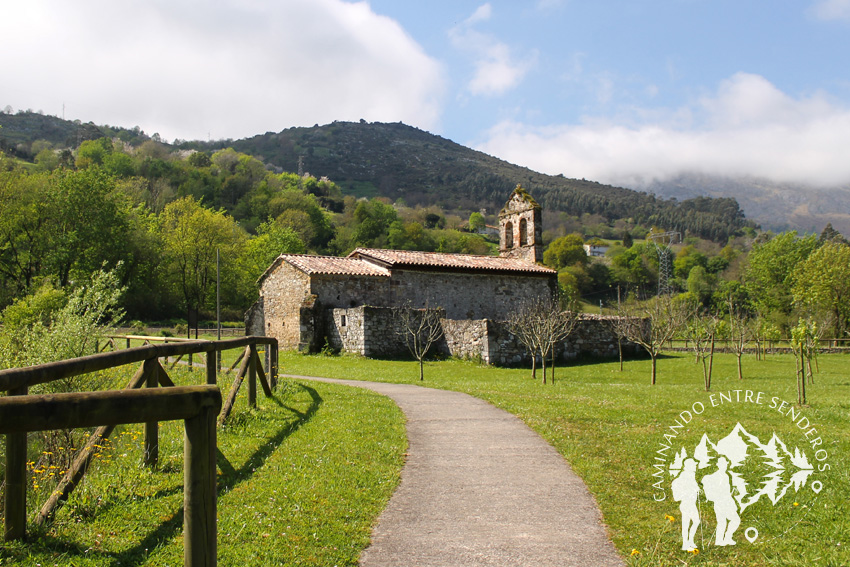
[635, 552]
[669, 518]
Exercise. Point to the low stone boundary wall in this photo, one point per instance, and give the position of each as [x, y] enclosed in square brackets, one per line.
[375, 332]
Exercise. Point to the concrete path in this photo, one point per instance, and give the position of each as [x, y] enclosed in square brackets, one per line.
[481, 488]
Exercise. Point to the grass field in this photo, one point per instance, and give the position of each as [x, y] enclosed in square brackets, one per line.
[610, 424]
[302, 480]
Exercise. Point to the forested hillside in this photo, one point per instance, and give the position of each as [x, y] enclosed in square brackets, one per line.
[396, 161]
[399, 161]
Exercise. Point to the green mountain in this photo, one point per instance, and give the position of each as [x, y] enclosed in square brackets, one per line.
[402, 162]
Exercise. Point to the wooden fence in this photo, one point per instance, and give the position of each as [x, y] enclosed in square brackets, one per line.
[17, 381]
[196, 405]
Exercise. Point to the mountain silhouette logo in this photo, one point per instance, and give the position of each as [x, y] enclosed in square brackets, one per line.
[732, 474]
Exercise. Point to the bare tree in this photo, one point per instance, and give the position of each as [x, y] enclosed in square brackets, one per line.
[651, 324]
[421, 328]
[540, 323]
[701, 330]
[741, 330]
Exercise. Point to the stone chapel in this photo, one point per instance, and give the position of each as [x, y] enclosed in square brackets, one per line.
[348, 303]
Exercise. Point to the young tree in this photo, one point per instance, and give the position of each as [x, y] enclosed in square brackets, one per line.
[540, 324]
[740, 330]
[651, 324]
[801, 336]
[421, 328]
[701, 329]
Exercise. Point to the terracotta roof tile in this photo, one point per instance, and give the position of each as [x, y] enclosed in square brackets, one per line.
[331, 265]
[405, 258]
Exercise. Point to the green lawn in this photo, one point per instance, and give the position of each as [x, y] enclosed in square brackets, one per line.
[609, 424]
[302, 480]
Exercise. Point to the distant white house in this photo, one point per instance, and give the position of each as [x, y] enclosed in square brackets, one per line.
[489, 230]
[595, 250]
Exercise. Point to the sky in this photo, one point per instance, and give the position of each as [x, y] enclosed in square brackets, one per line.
[617, 91]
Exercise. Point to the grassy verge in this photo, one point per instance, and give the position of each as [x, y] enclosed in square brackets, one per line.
[609, 424]
[301, 481]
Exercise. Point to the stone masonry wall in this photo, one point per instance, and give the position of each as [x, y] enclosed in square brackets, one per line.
[339, 291]
[466, 296]
[283, 295]
[374, 332]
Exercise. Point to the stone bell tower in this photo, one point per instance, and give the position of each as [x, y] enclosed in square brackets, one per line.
[521, 227]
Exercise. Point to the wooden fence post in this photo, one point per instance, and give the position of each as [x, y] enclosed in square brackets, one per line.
[212, 366]
[151, 369]
[199, 490]
[252, 376]
[15, 508]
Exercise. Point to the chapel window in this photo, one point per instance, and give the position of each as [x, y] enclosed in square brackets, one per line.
[523, 232]
[509, 235]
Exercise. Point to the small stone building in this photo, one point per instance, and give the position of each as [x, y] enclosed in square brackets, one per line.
[348, 303]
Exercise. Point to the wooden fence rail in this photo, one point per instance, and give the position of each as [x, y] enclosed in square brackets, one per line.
[196, 405]
[17, 381]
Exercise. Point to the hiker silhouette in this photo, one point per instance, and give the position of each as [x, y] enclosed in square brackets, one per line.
[717, 487]
[686, 491]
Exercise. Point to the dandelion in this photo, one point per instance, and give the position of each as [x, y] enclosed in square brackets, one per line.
[669, 518]
[694, 551]
[635, 552]
[796, 503]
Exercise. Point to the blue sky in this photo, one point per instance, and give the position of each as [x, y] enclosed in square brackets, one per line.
[613, 90]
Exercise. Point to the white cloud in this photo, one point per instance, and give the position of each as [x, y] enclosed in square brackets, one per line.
[497, 69]
[232, 68]
[747, 128]
[832, 9]
[483, 13]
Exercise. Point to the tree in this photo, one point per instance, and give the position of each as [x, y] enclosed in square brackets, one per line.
[540, 324]
[92, 152]
[822, 283]
[803, 336]
[90, 223]
[701, 329]
[421, 328]
[652, 323]
[476, 222]
[772, 268]
[191, 235]
[565, 251]
[740, 329]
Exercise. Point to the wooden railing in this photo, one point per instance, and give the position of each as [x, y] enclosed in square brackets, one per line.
[17, 381]
[196, 405]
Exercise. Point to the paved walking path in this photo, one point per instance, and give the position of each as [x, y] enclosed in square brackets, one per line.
[481, 488]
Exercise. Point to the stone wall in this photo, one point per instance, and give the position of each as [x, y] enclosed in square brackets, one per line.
[344, 291]
[375, 332]
[466, 296]
[255, 321]
[466, 338]
[367, 330]
[287, 300]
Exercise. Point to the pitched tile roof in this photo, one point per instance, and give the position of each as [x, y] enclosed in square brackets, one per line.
[334, 265]
[331, 265]
[465, 262]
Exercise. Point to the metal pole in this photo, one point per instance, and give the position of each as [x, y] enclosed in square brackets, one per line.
[218, 292]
